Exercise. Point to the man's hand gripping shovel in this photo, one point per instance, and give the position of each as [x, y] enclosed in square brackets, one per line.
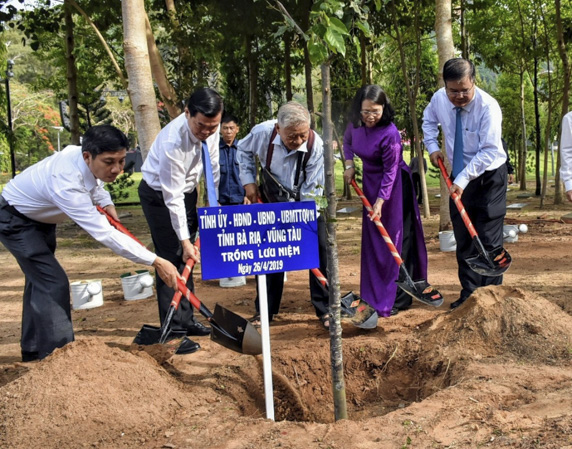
[485, 263]
[420, 290]
[228, 329]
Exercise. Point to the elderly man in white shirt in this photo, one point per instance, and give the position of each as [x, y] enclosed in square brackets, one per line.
[168, 192]
[566, 154]
[471, 121]
[294, 155]
[68, 184]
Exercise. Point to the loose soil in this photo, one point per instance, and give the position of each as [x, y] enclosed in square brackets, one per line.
[496, 372]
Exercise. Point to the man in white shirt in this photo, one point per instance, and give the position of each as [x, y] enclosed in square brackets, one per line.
[296, 168]
[566, 154]
[473, 118]
[68, 184]
[171, 174]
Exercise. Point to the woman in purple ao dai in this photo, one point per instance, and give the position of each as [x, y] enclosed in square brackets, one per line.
[372, 136]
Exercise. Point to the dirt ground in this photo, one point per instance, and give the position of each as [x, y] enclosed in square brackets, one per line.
[493, 373]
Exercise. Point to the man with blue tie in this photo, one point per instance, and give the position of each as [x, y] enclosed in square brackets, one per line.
[182, 152]
[471, 121]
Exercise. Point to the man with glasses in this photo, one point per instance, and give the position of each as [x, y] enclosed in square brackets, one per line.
[471, 122]
[293, 155]
[185, 149]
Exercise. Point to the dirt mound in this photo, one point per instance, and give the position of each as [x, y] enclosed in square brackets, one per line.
[499, 320]
[88, 392]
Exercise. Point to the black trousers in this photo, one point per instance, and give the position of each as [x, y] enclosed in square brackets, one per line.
[168, 246]
[46, 311]
[484, 200]
[319, 295]
[409, 246]
[417, 185]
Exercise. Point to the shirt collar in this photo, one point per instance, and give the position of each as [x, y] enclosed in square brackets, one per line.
[90, 181]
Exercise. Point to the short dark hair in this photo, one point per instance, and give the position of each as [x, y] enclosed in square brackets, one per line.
[458, 68]
[102, 138]
[205, 100]
[376, 94]
[229, 118]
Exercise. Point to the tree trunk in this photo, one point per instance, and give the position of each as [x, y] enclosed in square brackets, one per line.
[412, 98]
[537, 122]
[565, 93]
[522, 168]
[446, 51]
[548, 129]
[252, 80]
[363, 57]
[464, 43]
[336, 355]
[308, 70]
[288, 65]
[71, 75]
[168, 94]
[103, 43]
[139, 72]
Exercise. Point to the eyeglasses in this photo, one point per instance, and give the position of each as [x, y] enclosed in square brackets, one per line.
[459, 93]
[373, 113]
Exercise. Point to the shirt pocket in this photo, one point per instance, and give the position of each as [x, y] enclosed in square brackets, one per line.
[471, 142]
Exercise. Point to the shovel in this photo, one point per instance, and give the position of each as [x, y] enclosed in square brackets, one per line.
[485, 263]
[359, 312]
[420, 290]
[228, 329]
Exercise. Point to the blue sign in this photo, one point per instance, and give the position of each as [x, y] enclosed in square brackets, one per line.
[258, 239]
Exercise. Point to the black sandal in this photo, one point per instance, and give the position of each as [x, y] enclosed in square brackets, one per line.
[255, 320]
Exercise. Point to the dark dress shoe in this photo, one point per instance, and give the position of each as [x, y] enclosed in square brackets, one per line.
[198, 329]
[28, 356]
[394, 311]
[187, 346]
[457, 303]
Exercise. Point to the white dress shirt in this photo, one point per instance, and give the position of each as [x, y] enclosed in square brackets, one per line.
[566, 152]
[174, 166]
[62, 186]
[482, 131]
[283, 164]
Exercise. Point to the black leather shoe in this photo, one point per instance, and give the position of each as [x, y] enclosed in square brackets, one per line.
[394, 311]
[28, 356]
[457, 303]
[198, 329]
[187, 346]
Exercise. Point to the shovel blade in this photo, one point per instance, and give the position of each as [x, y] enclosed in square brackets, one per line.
[422, 291]
[358, 312]
[150, 335]
[495, 263]
[234, 332]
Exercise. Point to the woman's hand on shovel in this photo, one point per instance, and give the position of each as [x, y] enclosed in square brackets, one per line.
[376, 209]
[167, 271]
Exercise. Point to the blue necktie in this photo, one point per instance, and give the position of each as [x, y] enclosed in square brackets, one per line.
[208, 171]
[458, 164]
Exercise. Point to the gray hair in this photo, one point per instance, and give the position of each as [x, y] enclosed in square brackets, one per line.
[292, 114]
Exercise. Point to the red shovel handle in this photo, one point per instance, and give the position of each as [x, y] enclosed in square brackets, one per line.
[457, 201]
[117, 225]
[188, 266]
[378, 223]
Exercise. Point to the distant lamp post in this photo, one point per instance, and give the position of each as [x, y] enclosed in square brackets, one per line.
[10, 74]
[59, 129]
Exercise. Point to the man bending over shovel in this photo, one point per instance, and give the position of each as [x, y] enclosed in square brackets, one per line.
[68, 184]
[293, 159]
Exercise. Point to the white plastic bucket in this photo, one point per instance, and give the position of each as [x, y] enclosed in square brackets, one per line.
[510, 233]
[138, 285]
[86, 294]
[232, 282]
[447, 241]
